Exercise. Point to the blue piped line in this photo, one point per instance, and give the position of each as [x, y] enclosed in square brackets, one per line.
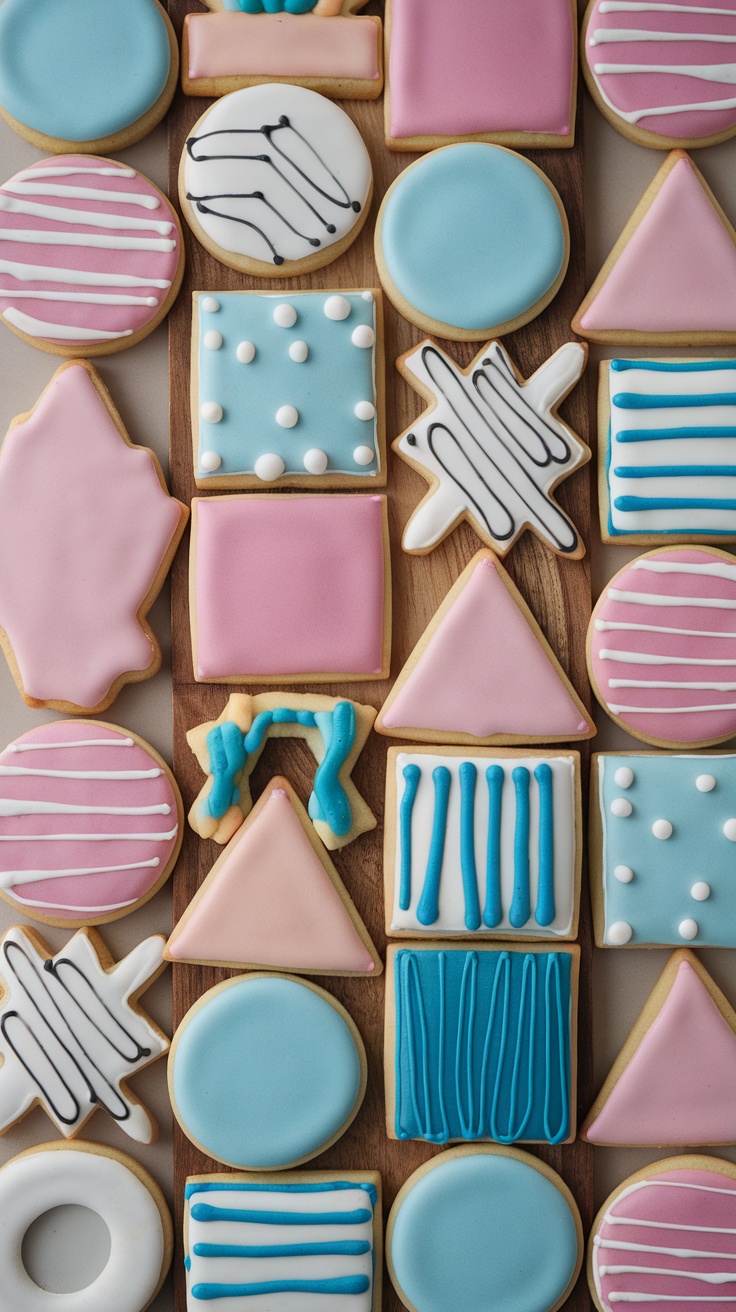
[338, 1247]
[468, 774]
[493, 910]
[317, 1187]
[545, 912]
[674, 503]
[675, 471]
[340, 1285]
[673, 366]
[671, 401]
[672, 434]
[412, 775]
[428, 908]
[204, 1212]
[521, 901]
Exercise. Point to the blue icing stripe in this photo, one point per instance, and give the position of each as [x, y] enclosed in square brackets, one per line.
[270, 6]
[468, 775]
[670, 434]
[81, 69]
[333, 1248]
[412, 775]
[313, 1187]
[671, 366]
[674, 503]
[429, 902]
[671, 401]
[493, 910]
[254, 1216]
[337, 1285]
[545, 912]
[675, 471]
[520, 909]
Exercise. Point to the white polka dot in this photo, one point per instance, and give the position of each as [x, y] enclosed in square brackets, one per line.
[209, 304]
[209, 461]
[287, 416]
[624, 874]
[365, 410]
[621, 806]
[212, 340]
[269, 467]
[211, 412]
[284, 316]
[624, 776]
[363, 336]
[700, 891]
[367, 296]
[363, 455]
[705, 783]
[619, 933]
[246, 352]
[729, 830]
[337, 307]
[298, 352]
[688, 929]
[315, 461]
[662, 829]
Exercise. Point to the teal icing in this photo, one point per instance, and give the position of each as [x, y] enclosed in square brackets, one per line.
[471, 236]
[675, 503]
[338, 1285]
[665, 434]
[81, 69]
[270, 6]
[468, 775]
[545, 910]
[412, 775]
[671, 401]
[675, 471]
[483, 1232]
[254, 1216]
[333, 1248]
[228, 756]
[428, 908]
[187, 1263]
[493, 910]
[671, 366]
[520, 909]
[313, 1187]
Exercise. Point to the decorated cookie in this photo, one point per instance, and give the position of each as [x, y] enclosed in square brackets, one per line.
[662, 74]
[480, 1043]
[481, 70]
[295, 1238]
[269, 557]
[455, 1229]
[275, 181]
[667, 450]
[662, 647]
[488, 845]
[125, 1198]
[318, 44]
[87, 534]
[670, 280]
[482, 673]
[274, 899]
[661, 850]
[288, 389]
[90, 823]
[492, 447]
[266, 1071]
[86, 75]
[470, 241]
[72, 1033]
[91, 253]
[672, 1081]
[666, 1235]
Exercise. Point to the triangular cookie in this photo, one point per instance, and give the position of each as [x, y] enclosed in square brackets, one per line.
[671, 277]
[274, 899]
[483, 673]
[674, 1080]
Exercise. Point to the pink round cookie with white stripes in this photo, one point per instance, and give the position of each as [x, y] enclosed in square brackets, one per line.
[91, 255]
[91, 823]
[662, 647]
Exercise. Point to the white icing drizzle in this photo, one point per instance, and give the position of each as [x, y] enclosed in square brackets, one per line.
[77, 742]
[671, 710]
[608, 35]
[85, 298]
[88, 218]
[84, 277]
[659, 599]
[718, 570]
[664, 683]
[605, 626]
[704, 72]
[622, 1245]
[155, 773]
[37, 237]
[22, 806]
[645, 7]
[28, 188]
[646, 658]
[82, 911]
[160, 837]
[707, 1277]
[59, 331]
[67, 171]
[9, 878]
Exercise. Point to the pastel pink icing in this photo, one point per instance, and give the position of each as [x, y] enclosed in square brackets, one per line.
[680, 727]
[690, 1212]
[84, 528]
[288, 585]
[483, 672]
[677, 272]
[632, 92]
[282, 45]
[481, 66]
[272, 903]
[74, 897]
[678, 1086]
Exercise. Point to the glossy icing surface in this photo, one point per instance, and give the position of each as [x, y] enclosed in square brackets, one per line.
[482, 1046]
[117, 55]
[311, 569]
[88, 248]
[466, 209]
[455, 1240]
[221, 45]
[663, 646]
[481, 66]
[265, 1072]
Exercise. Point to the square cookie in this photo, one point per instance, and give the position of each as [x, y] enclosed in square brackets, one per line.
[484, 844]
[288, 589]
[481, 1043]
[662, 854]
[288, 389]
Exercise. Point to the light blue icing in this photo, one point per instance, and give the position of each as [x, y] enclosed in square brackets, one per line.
[338, 1285]
[81, 69]
[468, 775]
[325, 388]
[483, 1232]
[193, 1187]
[472, 236]
[659, 898]
[412, 775]
[520, 909]
[265, 1073]
[545, 912]
[428, 908]
[493, 910]
[270, 6]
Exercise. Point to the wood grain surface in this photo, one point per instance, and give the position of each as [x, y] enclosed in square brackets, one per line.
[557, 590]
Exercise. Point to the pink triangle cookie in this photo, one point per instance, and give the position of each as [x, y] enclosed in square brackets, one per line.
[274, 899]
[671, 277]
[483, 673]
[674, 1081]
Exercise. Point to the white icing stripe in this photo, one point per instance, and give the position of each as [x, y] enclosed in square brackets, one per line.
[610, 35]
[36, 237]
[703, 72]
[617, 1296]
[645, 7]
[623, 1245]
[22, 806]
[28, 188]
[646, 658]
[67, 171]
[164, 837]
[706, 1277]
[605, 626]
[8, 878]
[61, 332]
[84, 298]
[82, 911]
[660, 599]
[719, 570]
[671, 710]
[88, 218]
[664, 683]
[76, 742]
[155, 773]
[83, 277]
[634, 115]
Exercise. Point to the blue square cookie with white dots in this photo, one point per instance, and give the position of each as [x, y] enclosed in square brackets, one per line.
[288, 389]
[663, 849]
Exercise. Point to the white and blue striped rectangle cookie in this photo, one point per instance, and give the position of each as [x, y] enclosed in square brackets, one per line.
[667, 450]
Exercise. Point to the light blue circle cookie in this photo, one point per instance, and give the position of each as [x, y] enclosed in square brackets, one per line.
[473, 237]
[266, 1071]
[480, 1229]
[82, 70]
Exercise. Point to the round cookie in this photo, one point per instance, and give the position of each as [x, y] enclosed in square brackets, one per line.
[91, 823]
[652, 83]
[275, 180]
[266, 1071]
[111, 1184]
[482, 1227]
[662, 647]
[91, 256]
[86, 75]
[471, 240]
[667, 1235]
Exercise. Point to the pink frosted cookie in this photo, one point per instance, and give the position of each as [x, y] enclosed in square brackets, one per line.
[91, 255]
[90, 823]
